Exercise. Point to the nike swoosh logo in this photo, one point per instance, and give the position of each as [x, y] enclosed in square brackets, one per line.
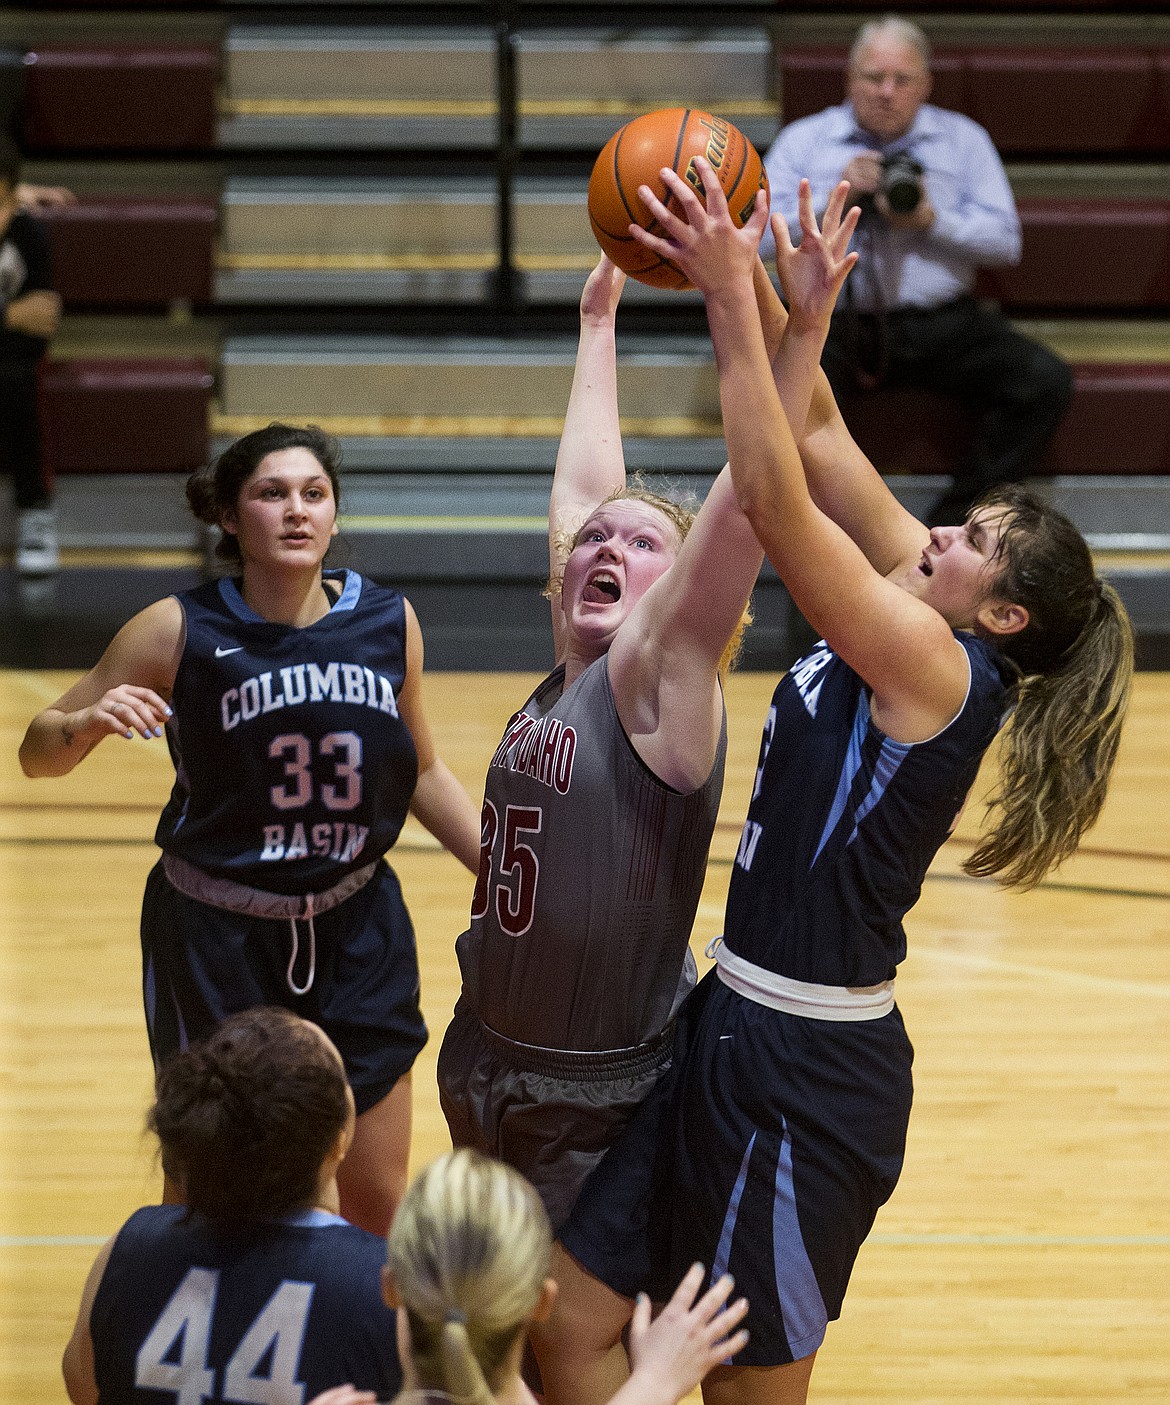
[223, 653]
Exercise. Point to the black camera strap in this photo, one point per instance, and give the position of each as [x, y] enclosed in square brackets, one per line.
[867, 335]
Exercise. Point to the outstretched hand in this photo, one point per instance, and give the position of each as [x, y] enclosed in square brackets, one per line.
[672, 1354]
[707, 245]
[813, 273]
[603, 288]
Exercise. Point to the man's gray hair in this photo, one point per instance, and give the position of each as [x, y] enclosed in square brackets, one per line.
[891, 27]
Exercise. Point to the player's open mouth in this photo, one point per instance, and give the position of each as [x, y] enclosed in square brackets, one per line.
[926, 568]
[602, 589]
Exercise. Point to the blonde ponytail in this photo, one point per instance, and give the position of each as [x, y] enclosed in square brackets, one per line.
[469, 1250]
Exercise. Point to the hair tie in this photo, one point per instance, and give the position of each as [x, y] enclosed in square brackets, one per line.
[453, 1317]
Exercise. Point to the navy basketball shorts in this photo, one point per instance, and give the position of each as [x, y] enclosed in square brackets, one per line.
[201, 963]
[553, 1118]
[765, 1152]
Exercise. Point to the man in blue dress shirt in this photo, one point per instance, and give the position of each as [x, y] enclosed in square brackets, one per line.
[929, 223]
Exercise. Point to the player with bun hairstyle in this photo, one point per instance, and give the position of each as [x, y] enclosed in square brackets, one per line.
[253, 1125]
[468, 1267]
[780, 1129]
[292, 703]
[599, 803]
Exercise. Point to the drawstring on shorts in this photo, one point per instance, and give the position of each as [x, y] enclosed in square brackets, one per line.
[255, 902]
[307, 916]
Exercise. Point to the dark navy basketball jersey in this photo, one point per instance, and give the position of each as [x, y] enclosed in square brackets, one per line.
[275, 1313]
[843, 822]
[292, 765]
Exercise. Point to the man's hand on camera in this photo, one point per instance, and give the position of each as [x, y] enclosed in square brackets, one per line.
[864, 174]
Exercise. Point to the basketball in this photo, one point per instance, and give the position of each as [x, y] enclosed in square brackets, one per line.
[634, 156]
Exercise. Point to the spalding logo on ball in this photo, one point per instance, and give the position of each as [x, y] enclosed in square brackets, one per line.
[634, 156]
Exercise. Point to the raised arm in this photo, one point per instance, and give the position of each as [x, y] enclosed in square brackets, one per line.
[590, 463]
[125, 694]
[902, 647]
[842, 481]
[664, 660]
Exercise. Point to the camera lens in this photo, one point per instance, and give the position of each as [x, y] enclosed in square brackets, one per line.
[902, 183]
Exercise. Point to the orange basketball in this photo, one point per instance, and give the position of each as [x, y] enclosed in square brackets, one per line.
[633, 156]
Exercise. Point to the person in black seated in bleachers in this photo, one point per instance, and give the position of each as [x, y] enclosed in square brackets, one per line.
[29, 313]
[908, 317]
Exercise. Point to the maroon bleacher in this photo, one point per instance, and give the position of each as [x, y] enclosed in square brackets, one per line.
[129, 97]
[125, 415]
[134, 251]
[1033, 98]
[1087, 255]
[916, 431]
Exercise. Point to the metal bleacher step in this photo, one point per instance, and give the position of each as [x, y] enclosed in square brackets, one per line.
[576, 87]
[434, 86]
[460, 388]
[358, 86]
[447, 435]
[357, 238]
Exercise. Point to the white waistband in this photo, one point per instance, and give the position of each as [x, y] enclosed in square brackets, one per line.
[813, 1002]
[193, 882]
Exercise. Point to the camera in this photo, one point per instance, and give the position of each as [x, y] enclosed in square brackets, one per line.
[902, 182]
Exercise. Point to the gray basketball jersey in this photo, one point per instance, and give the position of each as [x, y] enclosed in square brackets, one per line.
[590, 874]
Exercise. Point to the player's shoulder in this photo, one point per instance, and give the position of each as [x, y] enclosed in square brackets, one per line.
[147, 1225]
[355, 592]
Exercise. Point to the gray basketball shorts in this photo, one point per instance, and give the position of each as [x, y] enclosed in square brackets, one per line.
[551, 1114]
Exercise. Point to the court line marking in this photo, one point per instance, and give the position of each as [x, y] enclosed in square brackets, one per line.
[991, 1241]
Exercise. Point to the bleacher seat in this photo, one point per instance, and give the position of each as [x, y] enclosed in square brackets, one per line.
[357, 239]
[1100, 99]
[359, 87]
[485, 398]
[133, 251]
[353, 154]
[917, 432]
[576, 87]
[1082, 254]
[157, 97]
[125, 415]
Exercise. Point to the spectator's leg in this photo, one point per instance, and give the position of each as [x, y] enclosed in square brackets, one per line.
[1015, 390]
[22, 448]
[36, 525]
[838, 359]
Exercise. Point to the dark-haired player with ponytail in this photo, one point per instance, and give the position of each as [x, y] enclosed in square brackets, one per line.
[256, 1289]
[780, 1129]
[291, 700]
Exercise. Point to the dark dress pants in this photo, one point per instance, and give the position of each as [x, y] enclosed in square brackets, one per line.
[1014, 390]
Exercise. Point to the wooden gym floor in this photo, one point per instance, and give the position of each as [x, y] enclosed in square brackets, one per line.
[1026, 1253]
